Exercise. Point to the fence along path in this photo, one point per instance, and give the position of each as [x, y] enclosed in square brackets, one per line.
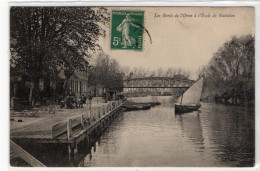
[55, 126]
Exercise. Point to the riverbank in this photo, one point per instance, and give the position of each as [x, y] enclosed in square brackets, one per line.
[84, 127]
[27, 119]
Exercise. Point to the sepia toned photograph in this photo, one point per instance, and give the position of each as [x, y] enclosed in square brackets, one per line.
[132, 86]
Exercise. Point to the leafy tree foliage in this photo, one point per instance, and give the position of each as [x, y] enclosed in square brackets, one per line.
[231, 71]
[46, 38]
[107, 73]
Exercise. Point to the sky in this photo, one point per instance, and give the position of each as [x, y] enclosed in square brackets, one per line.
[182, 42]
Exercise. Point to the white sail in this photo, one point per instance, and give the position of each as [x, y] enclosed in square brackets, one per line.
[193, 94]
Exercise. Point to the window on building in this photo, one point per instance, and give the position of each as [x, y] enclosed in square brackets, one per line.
[74, 86]
[77, 86]
[71, 88]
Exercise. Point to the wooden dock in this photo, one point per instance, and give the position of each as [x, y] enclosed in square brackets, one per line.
[73, 130]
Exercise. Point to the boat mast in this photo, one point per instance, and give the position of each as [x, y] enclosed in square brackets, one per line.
[182, 97]
[202, 87]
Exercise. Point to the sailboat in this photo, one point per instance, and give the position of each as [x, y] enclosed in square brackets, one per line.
[189, 100]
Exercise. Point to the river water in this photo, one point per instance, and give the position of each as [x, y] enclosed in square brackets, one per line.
[216, 135]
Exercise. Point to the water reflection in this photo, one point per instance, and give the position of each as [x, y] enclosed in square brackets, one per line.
[231, 132]
[191, 126]
[217, 135]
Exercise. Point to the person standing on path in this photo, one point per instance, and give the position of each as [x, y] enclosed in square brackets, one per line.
[90, 100]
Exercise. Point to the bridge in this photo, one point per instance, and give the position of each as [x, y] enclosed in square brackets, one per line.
[156, 85]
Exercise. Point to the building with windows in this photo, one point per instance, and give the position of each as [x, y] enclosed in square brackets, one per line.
[49, 88]
[78, 83]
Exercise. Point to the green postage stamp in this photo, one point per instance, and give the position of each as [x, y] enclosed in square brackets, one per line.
[127, 30]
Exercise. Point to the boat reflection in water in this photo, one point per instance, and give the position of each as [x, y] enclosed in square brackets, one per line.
[190, 125]
[224, 135]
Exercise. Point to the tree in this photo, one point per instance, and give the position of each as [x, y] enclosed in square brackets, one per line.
[231, 69]
[107, 73]
[43, 38]
[159, 72]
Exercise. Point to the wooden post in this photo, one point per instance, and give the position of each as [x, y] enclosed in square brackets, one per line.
[89, 114]
[96, 132]
[69, 150]
[88, 141]
[104, 124]
[92, 113]
[98, 112]
[95, 147]
[82, 121]
[69, 129]
[95, 113]
[76, 149]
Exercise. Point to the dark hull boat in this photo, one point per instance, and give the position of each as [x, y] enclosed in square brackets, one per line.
[157, 103]
[130, 106]
[189, 100]
[185, 109]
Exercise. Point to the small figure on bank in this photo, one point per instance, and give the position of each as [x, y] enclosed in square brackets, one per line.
[80, 101]
[69, 102]
[61, 101]
[83, 99]
[90, 100]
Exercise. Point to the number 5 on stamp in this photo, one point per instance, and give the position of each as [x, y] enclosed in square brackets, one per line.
[127, 30]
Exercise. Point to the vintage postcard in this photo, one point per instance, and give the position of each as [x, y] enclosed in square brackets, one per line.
[132, 86]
